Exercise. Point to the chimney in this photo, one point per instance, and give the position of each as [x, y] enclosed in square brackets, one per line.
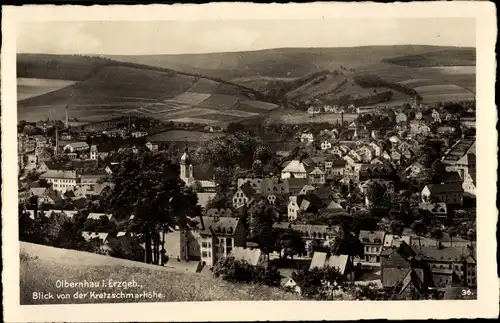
[66, 123]
[56, 149]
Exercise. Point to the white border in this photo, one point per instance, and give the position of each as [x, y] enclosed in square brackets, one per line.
[487, 304]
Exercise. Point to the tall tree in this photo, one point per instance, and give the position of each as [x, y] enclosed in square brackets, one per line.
[419, 229]
[437, 234]
[378, 197]
[347, 243]
[397, 227]
[436, 171]
[147, 186]
[452, 232]
[261, 218]
[290, 242]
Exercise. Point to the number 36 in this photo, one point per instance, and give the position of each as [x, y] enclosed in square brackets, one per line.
[466, 292]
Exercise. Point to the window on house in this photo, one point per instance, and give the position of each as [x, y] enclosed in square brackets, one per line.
[204, 244]
[204, 254]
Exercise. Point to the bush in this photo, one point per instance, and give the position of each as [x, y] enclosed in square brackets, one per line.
[320, 283]
[234, 270]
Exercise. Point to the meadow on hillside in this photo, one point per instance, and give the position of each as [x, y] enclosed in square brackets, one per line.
[42, 266]
[110, 89]
[267, 79]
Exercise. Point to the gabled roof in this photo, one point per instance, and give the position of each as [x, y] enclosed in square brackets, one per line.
[248, 190]
[414, 277]
[218, 225]
[78, 144]
[96, 173]
[308, 229]
[447, 254]
[296, 183]
[295, 166]
[218, 212]
[394, 241]
[392, 276]
[252, 256]
[60, 174]
[334, 206]
[322, 259]
[38, 191]
[317, 171]
[371, 236]
[307, 188]
[445, 188]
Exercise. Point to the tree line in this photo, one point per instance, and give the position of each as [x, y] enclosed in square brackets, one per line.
[368, 80]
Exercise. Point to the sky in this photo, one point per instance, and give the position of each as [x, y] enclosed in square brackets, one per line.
[183, 37]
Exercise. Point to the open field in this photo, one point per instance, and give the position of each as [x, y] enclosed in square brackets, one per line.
[183, 135]
[160, 88]
[30, 87]
[102, 87]
[190, 98]
[203, 120]
[42, 266]
[290, 62]
[444, 57]
[456, 70]
[298, 117]
[274, 68]
[444, 92]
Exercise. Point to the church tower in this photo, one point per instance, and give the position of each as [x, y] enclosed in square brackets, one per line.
[186, 167]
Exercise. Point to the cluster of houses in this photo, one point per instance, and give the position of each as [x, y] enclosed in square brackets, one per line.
[352, 155]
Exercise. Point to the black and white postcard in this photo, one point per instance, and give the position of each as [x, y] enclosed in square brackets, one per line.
[239, 162]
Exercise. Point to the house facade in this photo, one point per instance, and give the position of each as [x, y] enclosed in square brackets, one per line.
[373, 242]
[218, 236]
[61, 180]
[446, 193]
[317, 177]
[76, 147]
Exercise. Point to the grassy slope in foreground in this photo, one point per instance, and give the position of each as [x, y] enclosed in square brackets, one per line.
[42, 266]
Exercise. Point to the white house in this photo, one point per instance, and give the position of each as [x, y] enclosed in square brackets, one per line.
[295, 169]
[326, 144]
[414, 170]
[151, 147]
[243, 195]
[76, 146]
[400, 117]
[376, 148]
[93, 152]
[138, 134]
[317, 176]
[61, 180]
[307, 137]
[436, 116]
[447, 193]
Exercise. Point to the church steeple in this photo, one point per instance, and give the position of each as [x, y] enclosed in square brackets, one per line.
[186, 167]
[185, 158]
